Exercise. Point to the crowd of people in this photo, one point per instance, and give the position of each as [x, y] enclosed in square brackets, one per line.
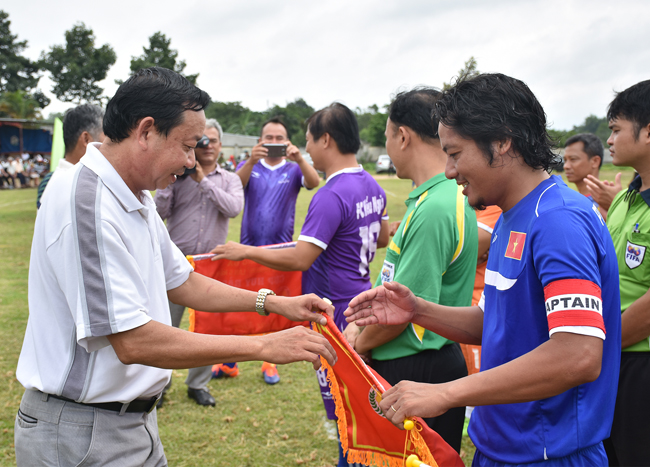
[494, 257]
[23, 171]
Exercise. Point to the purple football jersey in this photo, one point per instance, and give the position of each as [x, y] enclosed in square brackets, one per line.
[270, 203]
[344, 219]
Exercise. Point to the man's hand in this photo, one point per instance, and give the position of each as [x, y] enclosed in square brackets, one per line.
[393, 226]
[603, 191]
[199, 174]
[408, 399]
[296, 345]
[391, 303]
[293, 153]
[258, 152]
[301, 308]
[351, 333]
[232, 250]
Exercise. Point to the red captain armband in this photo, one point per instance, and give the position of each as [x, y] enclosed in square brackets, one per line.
[573, 302]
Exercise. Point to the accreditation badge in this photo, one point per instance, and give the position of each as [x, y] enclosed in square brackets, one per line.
[634, 255]
[387, 272]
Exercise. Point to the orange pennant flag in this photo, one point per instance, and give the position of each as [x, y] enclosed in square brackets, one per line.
[366, 435]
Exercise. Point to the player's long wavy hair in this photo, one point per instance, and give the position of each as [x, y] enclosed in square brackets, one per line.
[495, 107]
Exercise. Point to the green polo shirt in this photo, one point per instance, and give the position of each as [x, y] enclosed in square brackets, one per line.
[632, 245]
[434, 254]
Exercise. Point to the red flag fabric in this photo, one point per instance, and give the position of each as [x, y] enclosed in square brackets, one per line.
[366, 435]
[250, 276]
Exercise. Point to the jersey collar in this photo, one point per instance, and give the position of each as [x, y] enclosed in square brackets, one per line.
[427, 185]
[273, 167]
[636, 186]
[95, 161]
[350, 170]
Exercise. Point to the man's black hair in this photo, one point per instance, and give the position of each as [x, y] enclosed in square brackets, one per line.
[495, 107]
[277, 120]
[592, 145]
[151, 92]
[340, 123]
[86, 117]
[633, 104]
[415, 109]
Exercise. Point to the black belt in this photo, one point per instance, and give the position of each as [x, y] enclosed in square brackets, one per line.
[133, 406]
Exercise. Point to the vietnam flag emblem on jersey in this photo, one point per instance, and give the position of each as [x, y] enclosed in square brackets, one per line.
[516, 245]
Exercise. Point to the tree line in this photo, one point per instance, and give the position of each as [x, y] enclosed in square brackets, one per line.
[77, 66]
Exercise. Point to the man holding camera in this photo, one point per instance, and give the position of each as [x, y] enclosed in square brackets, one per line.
[198, 207]
[271, 187]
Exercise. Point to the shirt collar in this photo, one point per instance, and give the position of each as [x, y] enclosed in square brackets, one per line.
[273, 167]
[349, 170]
[636, 186]
[428, 185]
[95, 161]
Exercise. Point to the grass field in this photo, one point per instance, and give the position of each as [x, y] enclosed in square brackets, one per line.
[252, 425]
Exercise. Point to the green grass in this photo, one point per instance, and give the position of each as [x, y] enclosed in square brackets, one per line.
[252, 424]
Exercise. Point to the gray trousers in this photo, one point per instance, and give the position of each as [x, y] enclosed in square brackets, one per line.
[52, 432]
[197, 378]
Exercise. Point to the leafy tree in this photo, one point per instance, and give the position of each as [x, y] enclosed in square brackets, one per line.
[17, 73]
[469, 70]
[372, 124]
[592, 124]
[19, 104]
[294, 116]
[77, 66]
[160, 54]
[235, 118]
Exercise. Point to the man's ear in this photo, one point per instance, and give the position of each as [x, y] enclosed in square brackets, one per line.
[645, 134]
[327, 140]
[84, 139]
[503, 147]
[144, 132]
[594, 162]
[404, 135]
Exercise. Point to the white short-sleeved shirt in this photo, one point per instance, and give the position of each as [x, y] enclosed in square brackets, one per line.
[101, 263]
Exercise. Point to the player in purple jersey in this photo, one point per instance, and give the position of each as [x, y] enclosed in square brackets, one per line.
[345, 224]
[271, 186]
[549, 320]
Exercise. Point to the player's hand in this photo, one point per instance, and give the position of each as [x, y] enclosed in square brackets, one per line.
[296, 345]
[408, 399]
[351, 333]
[301, 308]
[232, 250]
[392, 228]
[199, 174]
[293, 153]
[258, 152]
[603, 191]
[391, 303]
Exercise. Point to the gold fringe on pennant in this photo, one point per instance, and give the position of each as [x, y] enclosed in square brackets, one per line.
[374, 458]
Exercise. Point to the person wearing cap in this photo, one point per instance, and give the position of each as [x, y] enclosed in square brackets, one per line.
[198, 207]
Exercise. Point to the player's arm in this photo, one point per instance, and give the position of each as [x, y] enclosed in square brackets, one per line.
[603, 191]
[228, 200]
[299, 258]
[635, 321]
[310, 176]
[373, 336]
[384, 234]
[258, 152]
[394, 304]
[483, 245]
[566, 360]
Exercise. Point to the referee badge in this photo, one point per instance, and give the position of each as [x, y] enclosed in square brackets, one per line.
[634, 255]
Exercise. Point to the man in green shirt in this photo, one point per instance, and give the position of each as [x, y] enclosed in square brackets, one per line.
[628, 220]
[433, 252]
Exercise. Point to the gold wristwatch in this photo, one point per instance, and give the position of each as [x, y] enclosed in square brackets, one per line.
[261, 299]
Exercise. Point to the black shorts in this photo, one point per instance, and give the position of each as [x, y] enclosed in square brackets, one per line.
[629, 443]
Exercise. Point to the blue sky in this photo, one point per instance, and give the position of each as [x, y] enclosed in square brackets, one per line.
[572, 54]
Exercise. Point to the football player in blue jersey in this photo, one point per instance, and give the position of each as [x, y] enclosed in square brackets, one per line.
[549, 319]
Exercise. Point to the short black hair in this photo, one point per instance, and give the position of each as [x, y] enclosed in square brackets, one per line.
[633, 104]
[340, 123]
[494, 107]
[277, 120]
[151, 92]
[592, 145]
[415, 109]
[85, 117]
